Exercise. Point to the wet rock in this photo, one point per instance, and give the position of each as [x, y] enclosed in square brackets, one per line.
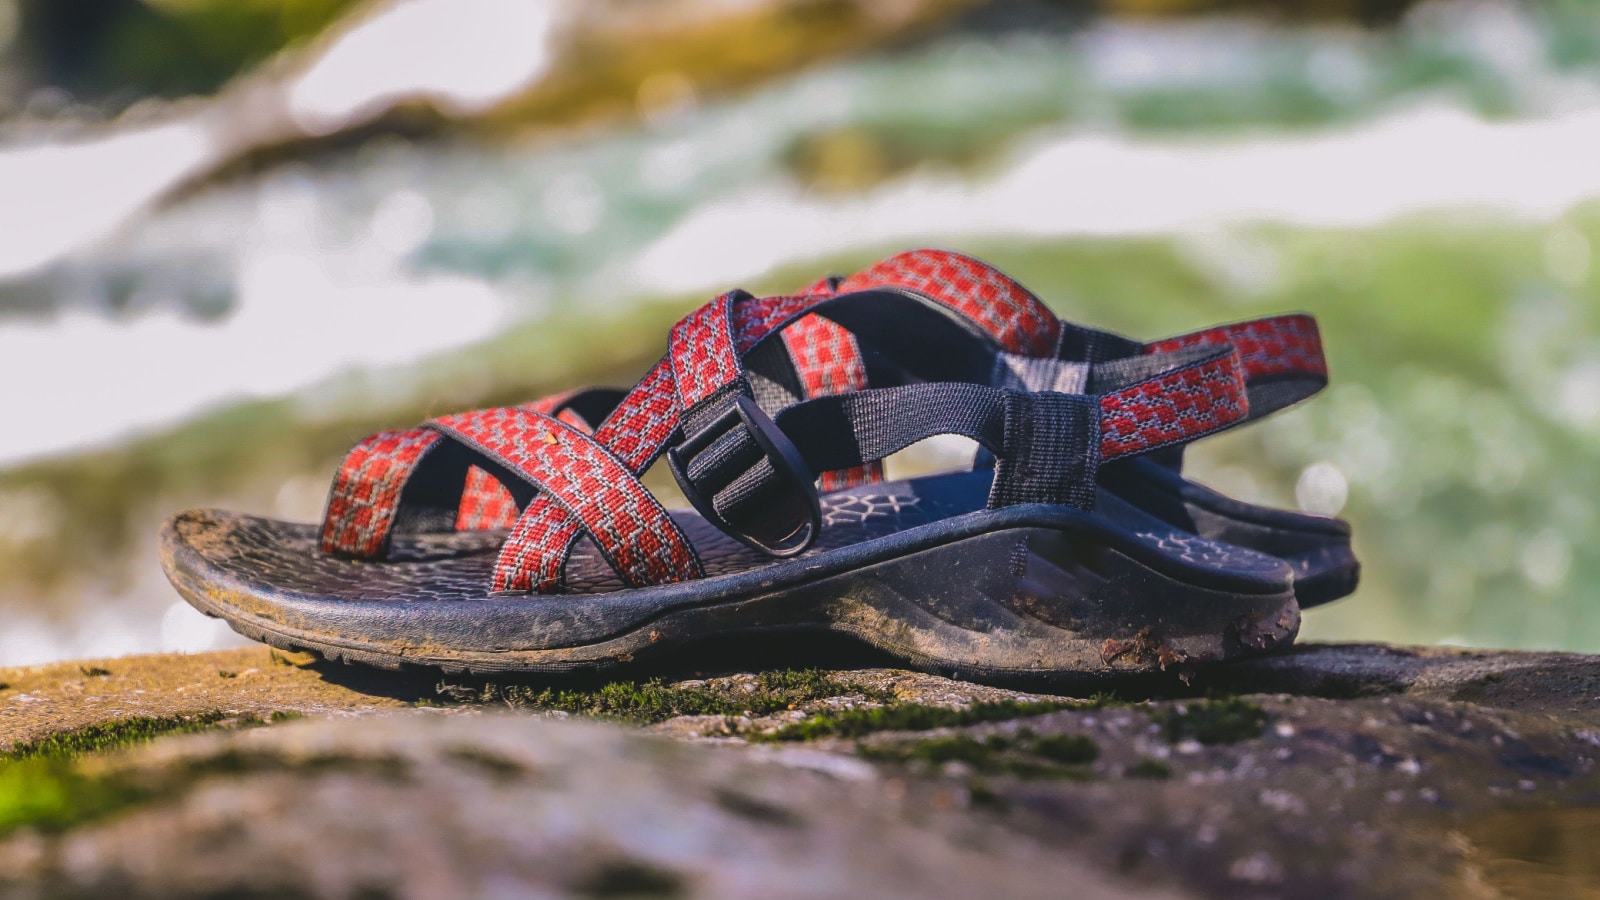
[1563, 684]
[1334, 770]
[416, 806]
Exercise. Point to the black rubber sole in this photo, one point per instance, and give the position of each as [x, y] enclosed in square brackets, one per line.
[1023, 594]
[1316, 547]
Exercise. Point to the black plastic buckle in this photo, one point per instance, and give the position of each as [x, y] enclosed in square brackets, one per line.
[785, 529]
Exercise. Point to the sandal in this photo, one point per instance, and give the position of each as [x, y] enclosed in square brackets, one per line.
[1283, 365]
[1027, 568]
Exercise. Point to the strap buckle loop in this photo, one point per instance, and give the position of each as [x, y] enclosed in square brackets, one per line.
[776, 506]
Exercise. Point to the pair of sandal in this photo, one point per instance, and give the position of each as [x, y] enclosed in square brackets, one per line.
[522, 539]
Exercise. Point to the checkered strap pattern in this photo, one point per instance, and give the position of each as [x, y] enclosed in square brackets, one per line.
[1281, 355]
[992, 301]
[1175, 406]
[486, 505]
[573, 469]
[705, 358]
[1276, 345]
[366, 492]
[636, 433]
[828, 360]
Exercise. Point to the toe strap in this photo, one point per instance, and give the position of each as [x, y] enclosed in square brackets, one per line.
[365, 498]
[572, 469]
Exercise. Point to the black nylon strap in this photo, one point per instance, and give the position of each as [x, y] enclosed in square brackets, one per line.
[1114, 375]
[1051, 453]
[845, 430]
[925, 342]
[771, 375]
[1091, 345]
[1028, 373]
[1048, 443]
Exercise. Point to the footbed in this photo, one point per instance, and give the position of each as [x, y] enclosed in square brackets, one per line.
[280, 557]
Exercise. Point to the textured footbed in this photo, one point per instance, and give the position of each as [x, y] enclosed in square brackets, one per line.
[276, 558]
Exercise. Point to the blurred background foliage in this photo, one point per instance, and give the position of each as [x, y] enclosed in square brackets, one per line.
[113, 53]
[310, 285]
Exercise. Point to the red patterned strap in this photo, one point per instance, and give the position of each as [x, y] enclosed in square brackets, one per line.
[573, 469]
[994, 302]
[636, 432]
[366, 491]
[827, 360]
[486, 505]
[1275, 345]
[705, 357]
[1175, 406]
[1281, 357]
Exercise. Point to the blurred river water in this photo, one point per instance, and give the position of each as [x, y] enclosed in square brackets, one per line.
[1427, 189]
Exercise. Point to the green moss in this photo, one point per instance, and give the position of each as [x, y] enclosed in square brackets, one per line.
[1066, 748]
[117, 734]
[1054, 756]
[94, 671]
[52, 793]
[1149, 768]
[851, 723]
[1222, 721]
[656, 701]
[937, 751]
[112, 735]
[55, 782]
[44, 784]
[497, 767]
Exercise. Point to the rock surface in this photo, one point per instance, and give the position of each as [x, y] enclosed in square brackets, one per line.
[1334, 770]
[503, 806]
